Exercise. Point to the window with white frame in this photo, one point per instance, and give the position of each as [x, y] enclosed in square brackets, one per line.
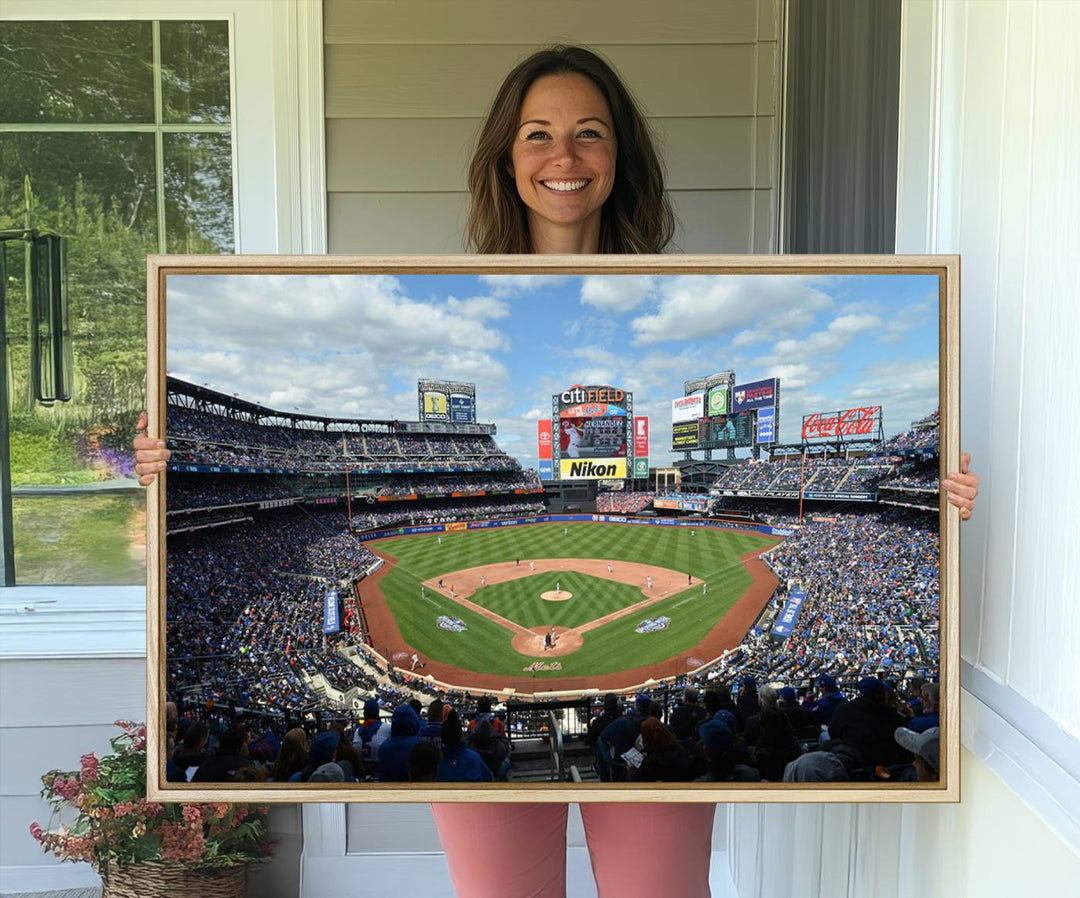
[116, 135]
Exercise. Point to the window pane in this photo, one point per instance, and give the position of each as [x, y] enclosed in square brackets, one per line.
[198, 193]
[83, 539]
[76, 72]
[195, 72]
[98, 191]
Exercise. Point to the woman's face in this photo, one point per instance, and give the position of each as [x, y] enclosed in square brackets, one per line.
[563, 156]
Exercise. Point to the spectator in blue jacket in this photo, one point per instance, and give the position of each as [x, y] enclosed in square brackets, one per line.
[459, 764]
[393, 759]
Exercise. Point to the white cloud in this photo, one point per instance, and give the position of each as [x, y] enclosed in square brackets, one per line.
[616, 292]
[707, 306]
[532, 414]
[504, 285]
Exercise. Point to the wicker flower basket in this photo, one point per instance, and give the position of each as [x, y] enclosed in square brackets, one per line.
[174, 881]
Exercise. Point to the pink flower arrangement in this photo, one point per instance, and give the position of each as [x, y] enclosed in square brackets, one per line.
[115, 824]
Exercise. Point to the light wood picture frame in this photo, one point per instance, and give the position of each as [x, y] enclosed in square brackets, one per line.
[257, 353]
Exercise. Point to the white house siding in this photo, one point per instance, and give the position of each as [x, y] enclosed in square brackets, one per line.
[408, 83]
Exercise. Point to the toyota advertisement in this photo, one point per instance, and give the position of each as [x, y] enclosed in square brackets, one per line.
[543, 449]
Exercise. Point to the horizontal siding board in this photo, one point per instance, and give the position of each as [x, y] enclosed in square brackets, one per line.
[391, 827]
[458, 81]
[34, 691]
[17, 846]
[713, 221]
[388, 154]
[397, 222]
[516, 22]
[28, 752]
[392, 154]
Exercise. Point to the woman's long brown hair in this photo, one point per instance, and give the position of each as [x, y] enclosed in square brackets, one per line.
[636, 218]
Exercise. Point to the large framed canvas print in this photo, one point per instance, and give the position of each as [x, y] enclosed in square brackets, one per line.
[553, 529]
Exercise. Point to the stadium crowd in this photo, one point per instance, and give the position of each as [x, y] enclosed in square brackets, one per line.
[872, 602]
[620, 502]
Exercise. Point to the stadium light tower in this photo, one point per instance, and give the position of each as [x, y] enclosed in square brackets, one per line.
[348, 491]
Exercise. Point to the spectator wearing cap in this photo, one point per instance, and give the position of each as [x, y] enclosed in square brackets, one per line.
[322, 751]
[598, 724]
[618, 738]
[719, 746]
[800, 719]
[926, 747]
[930, 716]
[816, 767]
[393, 757]
[370, 734]
[459, 763]
[330, 772]
[747, 699]
[687, 716]
[433, 729]
[867, 724]
[822, 710]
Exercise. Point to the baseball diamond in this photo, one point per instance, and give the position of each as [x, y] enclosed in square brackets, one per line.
[595, 625]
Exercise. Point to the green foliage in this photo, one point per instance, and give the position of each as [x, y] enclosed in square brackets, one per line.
[116, 825]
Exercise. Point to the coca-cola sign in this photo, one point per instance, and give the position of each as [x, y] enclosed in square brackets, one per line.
[852, 422]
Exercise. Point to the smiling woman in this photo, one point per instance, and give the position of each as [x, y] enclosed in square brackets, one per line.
[565, 163]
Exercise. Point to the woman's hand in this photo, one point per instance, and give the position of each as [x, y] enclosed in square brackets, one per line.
[962, 488]
[150, 454]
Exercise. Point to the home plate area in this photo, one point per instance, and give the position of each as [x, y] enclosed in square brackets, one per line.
[656, 584]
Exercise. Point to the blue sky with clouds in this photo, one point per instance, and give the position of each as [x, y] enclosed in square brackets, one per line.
[355, 345]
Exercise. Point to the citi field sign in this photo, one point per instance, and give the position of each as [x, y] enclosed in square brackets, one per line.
[592, 401]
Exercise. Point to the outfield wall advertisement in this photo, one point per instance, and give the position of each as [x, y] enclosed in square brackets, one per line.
[421, 529]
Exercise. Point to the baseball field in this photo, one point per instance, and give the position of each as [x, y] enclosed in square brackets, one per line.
[574, 606]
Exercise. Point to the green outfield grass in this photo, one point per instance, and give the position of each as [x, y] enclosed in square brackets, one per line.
[711, 555]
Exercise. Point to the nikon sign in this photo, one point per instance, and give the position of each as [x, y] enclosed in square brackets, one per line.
[592, 469]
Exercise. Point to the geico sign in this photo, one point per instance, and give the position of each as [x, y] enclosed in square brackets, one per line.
[592, 469]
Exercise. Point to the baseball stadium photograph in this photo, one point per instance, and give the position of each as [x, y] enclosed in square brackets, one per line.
[528, 529]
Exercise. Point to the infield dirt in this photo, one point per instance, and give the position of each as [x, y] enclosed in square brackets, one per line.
[726, 634]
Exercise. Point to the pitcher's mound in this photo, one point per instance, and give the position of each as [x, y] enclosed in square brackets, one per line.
[532, 643]
[561, 595]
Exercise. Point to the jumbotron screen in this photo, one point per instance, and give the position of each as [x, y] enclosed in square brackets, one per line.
[593, 429]
[727, 431]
